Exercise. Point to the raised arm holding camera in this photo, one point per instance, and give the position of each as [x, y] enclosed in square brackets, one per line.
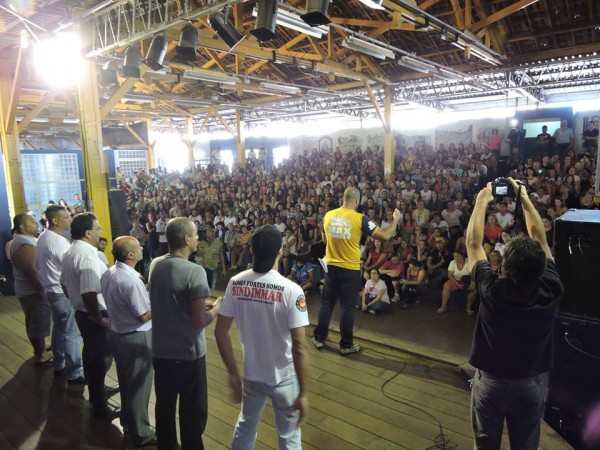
[512, 345]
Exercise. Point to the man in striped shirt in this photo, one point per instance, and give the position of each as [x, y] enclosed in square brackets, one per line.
[130, 337]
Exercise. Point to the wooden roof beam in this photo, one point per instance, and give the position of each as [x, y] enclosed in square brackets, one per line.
[499, 15]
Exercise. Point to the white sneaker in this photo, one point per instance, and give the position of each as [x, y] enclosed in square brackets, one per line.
[395, 298]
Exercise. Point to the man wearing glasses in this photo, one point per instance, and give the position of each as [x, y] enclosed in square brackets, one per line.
[80, 278]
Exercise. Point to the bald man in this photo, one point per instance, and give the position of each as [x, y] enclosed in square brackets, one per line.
[343, 229]
[130, 338]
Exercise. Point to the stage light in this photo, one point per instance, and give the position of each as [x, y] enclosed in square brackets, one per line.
[266, 19]
[225, 30]
[156, 52]
[188, 40]
[133, 60]
[316, 13]
[108, 74]
[59, 60]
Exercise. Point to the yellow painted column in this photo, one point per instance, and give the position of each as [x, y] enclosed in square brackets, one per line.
[241, 150]
[389, 141]
[10, 147]
[150, 157]
[94, 163]
[189, 140]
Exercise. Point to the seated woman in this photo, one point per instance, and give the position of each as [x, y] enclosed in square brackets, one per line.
[375, 297]
[457, 270]
[239, 253]
[377, 256]
[492, 230]
[414, 278]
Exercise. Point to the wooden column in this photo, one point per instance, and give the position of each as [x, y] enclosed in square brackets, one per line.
[389, 142]
[10, 141]
[189, 140]
[92, 149]
[241, 150]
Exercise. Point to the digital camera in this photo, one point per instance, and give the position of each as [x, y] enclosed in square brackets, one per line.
[501, 187]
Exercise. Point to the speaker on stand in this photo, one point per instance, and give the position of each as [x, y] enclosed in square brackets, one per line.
[119, 220]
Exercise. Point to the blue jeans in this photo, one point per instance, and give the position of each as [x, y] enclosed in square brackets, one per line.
[211, 276]
[380, 307]
[521, 402]
[66, 339]
[255, 397]
[343, 284]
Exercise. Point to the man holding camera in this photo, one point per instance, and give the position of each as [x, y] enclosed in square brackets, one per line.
[512, 346]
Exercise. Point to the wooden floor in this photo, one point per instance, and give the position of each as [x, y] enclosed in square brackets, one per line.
[380, 399]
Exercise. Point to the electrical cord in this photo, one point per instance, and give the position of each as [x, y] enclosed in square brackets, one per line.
[441, 441]
[574, 347]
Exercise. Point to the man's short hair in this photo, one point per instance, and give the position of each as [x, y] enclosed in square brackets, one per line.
[103, 239]
[82, 222]
[177, 230]
[524, 260]
[351, 193]
[120, 252]
[52, 212]
[19, 220]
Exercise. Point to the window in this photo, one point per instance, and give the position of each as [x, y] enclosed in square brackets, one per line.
[50, 176]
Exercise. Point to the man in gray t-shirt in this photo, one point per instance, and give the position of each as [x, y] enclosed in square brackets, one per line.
[178, 289]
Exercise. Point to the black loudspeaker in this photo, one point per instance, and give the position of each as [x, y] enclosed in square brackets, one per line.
[574, 395]
[117, 207]
[577, 246]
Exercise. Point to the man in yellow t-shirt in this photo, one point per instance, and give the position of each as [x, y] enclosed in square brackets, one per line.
[343, 229]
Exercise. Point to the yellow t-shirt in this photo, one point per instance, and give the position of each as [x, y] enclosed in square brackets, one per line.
[343, 230]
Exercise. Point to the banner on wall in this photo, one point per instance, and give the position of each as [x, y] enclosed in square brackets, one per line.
[406, 141]
[455, 137]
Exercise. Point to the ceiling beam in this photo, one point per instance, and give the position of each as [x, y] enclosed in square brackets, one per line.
[15, 92]
[499, 15]
[137, 136]
[119, 94]
[49, 97]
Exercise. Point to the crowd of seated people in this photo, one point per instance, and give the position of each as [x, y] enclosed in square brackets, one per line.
[434, 189]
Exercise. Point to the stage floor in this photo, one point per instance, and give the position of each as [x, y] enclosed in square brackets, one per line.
[382, 398]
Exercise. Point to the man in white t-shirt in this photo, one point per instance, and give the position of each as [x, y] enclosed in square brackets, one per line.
[161, 229]
[503, 217]
[66, 339]
[452, 215]
[268, 309]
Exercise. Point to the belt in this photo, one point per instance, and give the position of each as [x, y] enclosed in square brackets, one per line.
[489, 376]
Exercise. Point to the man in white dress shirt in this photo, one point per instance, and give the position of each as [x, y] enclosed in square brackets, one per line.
[82, 270]
[130, 337]
[66, 339]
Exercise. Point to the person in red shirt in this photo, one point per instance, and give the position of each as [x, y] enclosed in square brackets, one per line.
[492, 230]
[377, 256]
[392, 272]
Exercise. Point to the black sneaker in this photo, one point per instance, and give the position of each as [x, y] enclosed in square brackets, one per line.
[76, 381]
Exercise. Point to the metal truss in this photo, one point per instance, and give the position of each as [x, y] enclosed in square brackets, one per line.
[127, 21]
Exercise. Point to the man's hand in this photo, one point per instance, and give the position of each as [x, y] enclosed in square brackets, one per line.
[102, 321]
[301, 405]
[235, 384]
[397, 214]
[215, 304]
[485, 195]
[516, 184]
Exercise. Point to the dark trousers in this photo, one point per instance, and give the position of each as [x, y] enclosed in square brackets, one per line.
[211, 277]
[343, 284]
[96, 356]
[186, 379]
[133, 357]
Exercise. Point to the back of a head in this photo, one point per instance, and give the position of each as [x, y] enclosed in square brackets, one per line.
[351, 193]
[266, 244]
[82, 222]
[177, 230]
[524, 260]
